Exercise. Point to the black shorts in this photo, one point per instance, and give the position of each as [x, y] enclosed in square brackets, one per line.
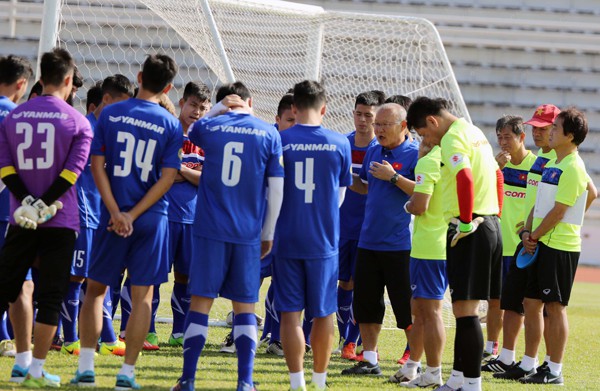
[513, 288]
[54, 246]
[552, 275]
[376, 270]
[474, 265]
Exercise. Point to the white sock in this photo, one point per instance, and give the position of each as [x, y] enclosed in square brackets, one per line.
[86, 359]
[527, 363]
[433, 371]
[36, 367]
[547, 358]
[489, 346]
[555, 368]
[456, 380]
[507, 356]
[319, 379]
[472, 384]
[297, 380]
[23, 359]
[370, 356]
[127, 370]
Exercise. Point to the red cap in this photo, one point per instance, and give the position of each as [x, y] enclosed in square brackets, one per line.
[544, 115]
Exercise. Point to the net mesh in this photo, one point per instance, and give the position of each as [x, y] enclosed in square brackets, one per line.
[268, 45]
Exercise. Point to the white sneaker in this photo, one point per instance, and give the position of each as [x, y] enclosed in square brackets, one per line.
[275, 348]
[424, 380]
[7, 348]
[228, 346]
[264, 341]
[404, 376]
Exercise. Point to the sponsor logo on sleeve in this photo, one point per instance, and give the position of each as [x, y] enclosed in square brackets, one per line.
[456, 159]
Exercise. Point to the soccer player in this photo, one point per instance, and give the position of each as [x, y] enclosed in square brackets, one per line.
[515, 161]
[555, 226]
[352, 214]
[93, 98]
[472, 189]
[182, 205]
[44, 144]
[318, 163]
[14, 76]
[387, 177]
[242, 155]
[112, 90]
[427, 268]
[135, 158]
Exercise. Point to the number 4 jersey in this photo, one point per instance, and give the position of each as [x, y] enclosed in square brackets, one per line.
[240, 153]
[138, 139]
[317, 163]
[42, 139]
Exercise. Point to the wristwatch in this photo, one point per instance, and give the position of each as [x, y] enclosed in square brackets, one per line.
[394, 179]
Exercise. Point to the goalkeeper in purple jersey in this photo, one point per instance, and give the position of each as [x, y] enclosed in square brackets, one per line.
[44, 145]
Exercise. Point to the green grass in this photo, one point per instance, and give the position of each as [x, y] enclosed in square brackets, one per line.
[160, 370]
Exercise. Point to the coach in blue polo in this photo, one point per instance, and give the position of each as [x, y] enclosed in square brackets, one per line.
[387, 177]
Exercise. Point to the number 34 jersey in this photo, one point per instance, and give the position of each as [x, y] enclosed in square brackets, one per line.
[138, 139]
[39, 140]
[240, 153]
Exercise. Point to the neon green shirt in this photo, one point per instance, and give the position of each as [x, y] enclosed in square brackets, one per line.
[515, 184]
[465, 146]
[429, 229]
[569, 180]
[533, 178]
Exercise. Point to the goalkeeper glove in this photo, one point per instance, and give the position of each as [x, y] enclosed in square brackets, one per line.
[26, 215]
[46, 212]
[465, 229]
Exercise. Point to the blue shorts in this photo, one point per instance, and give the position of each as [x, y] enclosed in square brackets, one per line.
[229, 270]
[347, 257]
[144, 254]
[181, 244]
[428, 278]
[306, 284]
[266, 266]
[81, 254]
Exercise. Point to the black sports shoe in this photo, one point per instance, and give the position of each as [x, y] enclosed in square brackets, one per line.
[496, 366]
[363, 368]
[542, 367]
[514, 373]
[543, 376]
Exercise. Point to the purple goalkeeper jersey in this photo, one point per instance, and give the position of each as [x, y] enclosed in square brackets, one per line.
[40, 139]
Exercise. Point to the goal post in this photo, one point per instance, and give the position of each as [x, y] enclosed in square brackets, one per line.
[268, 45]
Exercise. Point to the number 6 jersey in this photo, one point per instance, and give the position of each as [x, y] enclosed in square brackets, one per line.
[42, 139]
[138, 139]
[240, 153]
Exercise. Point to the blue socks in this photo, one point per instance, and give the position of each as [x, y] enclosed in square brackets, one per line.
[70, 312]
[180, 305]
[273, 315]
[344, 301]
[125, 304]
[194, 338]
[3, 330]
[155, 303]
[244, 336]
[108, 333]
[307, 328]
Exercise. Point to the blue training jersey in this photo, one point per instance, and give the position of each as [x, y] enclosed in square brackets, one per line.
[352, 211]
[386, 224]
[317, 163]
[241, 152]
[88, 196]
[6, 106]
[138, 139]
[182, 196]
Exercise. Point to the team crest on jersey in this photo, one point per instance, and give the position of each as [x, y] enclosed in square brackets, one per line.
[456, 159]
[397, 166]
[419, 179]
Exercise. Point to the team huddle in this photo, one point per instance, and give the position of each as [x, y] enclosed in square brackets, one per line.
[413, 201]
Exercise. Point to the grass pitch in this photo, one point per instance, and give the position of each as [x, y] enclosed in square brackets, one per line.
[216, 371]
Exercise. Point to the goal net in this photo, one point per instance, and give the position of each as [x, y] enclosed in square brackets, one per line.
[268, 45]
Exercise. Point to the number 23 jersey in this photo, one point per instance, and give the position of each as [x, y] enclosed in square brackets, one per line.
[138, 139]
